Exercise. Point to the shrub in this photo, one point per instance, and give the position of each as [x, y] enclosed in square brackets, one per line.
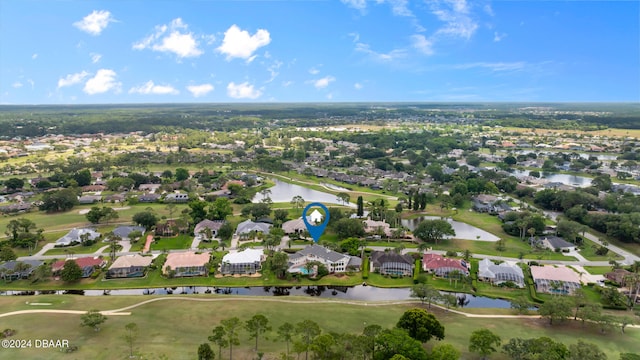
[416, 271]
[365, 268]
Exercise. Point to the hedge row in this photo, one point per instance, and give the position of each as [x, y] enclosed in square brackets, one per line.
[416, 270]
[365, 268]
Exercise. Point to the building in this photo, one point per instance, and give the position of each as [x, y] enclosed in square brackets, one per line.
[148, 198]
[296, 226]
[129, 266]
[556, 279]
[247, 227]
[441, 266]
[247, 262]
[500, 273]
[557, 243]
[75, 236]
[87, 264]
[391, 263]
[184, 264]
[89, 199]
[123, 231]
[377, 227]
[334, 261]
[203, 227]
[13, 270]
[176, 198]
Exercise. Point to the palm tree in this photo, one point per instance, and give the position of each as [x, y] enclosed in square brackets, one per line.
[297, 201]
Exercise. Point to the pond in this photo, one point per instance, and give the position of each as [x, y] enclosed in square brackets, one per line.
[284, 192]
[573, 180]
[463, 231]
[359, 292]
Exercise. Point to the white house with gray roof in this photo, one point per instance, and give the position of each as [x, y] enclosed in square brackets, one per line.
[246, 227]
[75, 237]
[334, 261]
[500, 273]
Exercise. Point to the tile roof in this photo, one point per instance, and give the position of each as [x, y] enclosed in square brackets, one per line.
[246, 256]
[130, 261]
[556, 273]
[185, 259]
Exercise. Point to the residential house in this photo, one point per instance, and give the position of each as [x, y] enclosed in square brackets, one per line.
[489, 204]
[8, 269]
[148, 198]
[247, 227]
[170, 227]
[296, 226]
[206, 225]
[500, 273]
[89, 199]
[556, 279]
[391, 263]
[377, 227]
[152, 188]
[115, 198]
[185, 264]
[334, 261]
[75, 236]
[248, 261]
[556, 243]
[93, 188]
[441, 266]
[87, 264]
[123, 231]
[176, 198]
[618, 276]
[129, 266]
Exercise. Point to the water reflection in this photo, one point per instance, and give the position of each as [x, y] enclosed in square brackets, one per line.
[362, 293]
[284, 192]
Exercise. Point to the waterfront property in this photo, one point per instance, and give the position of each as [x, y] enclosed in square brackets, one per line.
[87, 264]
[295, 226]
[497, 274]
[184, 264]
[391, 263]
[334, 261]
[377, 227]
[245, 262]
[76, 236]
[14, 270]
[557, 279]
[248, 227]
[129, 266]
[441, 266]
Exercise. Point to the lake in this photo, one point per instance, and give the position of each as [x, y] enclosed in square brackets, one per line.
[573, 180]
[359, 292]
[463, 231]
[284, 192]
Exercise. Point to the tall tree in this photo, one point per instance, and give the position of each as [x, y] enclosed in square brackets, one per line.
[205, 352]
[231, 327]
[370, 334]
[71, 271]
[484, 342]
[557, 308]
[425, 292]
[219, 337]
[396, 341]
[258, 324]
[308, 330]
[360, 206]
[421, 325]
[444, 352]
[343, 197]
[130, 336]
[297, 201]
[286, 331]
[585, 351]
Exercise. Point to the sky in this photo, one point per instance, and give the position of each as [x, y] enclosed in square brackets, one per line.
[137, 51]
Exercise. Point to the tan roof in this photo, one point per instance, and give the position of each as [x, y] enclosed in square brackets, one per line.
[559, 273]
[131, 260]
[185, 259]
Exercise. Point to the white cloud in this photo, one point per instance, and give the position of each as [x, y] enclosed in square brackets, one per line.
[356, 4]
[323, 82]
[243, 91]
[105, 80]
[495, 67]
[422, 44]
[150, 88]
[383, 57]
[239, 43]
[95, 22]
[489, 10]
[330, 96]
[314, 71]
[355, 36]
[31, 82]
[95, 57]
[456, 16]
[34, 56]
[72, 79]
[273, 70]
[287, 83]
[17, 84]
[200, 90]
[173, 38]
[399, 7]
[498, 36]
[357, 86]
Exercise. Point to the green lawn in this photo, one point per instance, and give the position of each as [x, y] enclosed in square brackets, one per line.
[175, 327]
[181, 241]
[589, 252]
[598, 270]
[77, 249]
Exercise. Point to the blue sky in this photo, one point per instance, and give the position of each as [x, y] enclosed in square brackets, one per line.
[74, 52]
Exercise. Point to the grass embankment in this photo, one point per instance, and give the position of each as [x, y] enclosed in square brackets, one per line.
[174, 328]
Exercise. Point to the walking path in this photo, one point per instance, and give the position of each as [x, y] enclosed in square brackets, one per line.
[147, 244]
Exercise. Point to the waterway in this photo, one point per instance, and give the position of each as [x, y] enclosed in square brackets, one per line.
[573, 180]
[360, 292]
[463, 231]
[284, 192]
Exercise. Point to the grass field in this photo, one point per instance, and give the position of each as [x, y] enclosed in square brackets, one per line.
[175, 327]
